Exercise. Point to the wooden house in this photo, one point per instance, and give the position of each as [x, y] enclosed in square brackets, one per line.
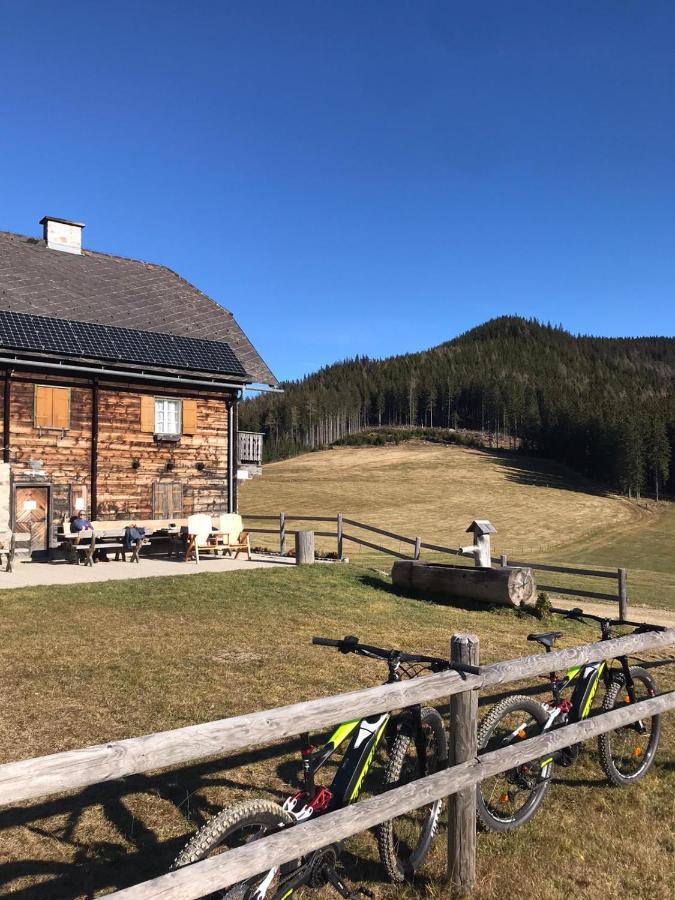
[119, 383]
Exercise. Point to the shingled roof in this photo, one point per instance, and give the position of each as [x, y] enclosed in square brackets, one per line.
[111, 290]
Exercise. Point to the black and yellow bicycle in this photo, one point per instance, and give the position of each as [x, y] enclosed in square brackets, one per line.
[510, 799]
[416, 745]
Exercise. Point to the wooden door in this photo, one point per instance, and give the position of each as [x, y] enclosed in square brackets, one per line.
[167, 500]
[32, 510]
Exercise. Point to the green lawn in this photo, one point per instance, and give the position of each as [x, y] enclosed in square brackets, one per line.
[128, 658]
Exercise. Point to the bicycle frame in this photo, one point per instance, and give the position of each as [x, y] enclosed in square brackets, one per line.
[585, 681]
[365, 736]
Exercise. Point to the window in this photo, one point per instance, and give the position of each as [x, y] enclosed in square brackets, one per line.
[52, 407]
[167, 416]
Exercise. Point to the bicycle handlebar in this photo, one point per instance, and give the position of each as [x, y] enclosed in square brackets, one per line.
[350, 644]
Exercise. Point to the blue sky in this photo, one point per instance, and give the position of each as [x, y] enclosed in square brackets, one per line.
[358, 177]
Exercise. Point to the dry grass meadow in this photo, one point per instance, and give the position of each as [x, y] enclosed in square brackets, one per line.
[127, 658]
[542, 511]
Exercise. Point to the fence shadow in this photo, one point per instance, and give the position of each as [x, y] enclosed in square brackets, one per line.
[134, 851]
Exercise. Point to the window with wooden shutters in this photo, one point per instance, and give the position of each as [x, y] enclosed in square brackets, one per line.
[52, 407]
[168, 417]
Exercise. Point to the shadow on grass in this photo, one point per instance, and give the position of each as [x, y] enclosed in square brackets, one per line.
[95, 865]
[84, 866]
[539, 472]
[380, 584]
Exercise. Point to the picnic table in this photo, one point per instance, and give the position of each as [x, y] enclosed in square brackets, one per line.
[88, 542]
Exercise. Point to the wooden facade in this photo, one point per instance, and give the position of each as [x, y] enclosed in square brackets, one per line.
[91, 443]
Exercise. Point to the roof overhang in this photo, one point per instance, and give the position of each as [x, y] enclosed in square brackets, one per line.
[94, 369]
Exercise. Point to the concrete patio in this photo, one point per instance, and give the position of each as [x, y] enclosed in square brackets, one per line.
[43, 574]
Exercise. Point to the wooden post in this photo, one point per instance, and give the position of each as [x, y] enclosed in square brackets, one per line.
[304, 548]
[7, 422]
[418, 547]
[623, 595]
[481, 549]
[282, 534]
[462, 747]
[503, 562]
[93, 474]
[483, 553]
[339, 530]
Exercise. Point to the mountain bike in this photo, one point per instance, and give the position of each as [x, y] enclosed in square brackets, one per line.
[417, 746]
[510, 799]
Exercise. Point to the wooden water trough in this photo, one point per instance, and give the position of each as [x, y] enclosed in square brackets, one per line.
[507, 586]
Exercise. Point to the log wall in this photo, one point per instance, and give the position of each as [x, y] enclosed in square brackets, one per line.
[194, 467]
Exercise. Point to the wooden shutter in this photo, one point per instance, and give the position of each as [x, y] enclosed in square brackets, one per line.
[176, 500]
[60, 407]
[43, 406]
[189, 416]
[167, 499]
[147, 414]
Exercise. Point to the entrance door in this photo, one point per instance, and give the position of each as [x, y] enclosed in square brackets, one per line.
[32, 509]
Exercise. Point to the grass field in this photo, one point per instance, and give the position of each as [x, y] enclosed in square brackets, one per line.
[127, 658]
[542, 511]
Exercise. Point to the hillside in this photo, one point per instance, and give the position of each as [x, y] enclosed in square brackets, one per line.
[542, 510]
[604, 406]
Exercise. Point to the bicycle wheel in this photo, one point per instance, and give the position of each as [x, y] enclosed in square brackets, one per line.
[627, 753]
[510, 799]
[233, 827]
[405, 841]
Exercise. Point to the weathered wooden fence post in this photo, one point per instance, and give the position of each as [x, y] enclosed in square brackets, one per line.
[418, 547]
[623, 595]
[339, 535]
[503, 561]
[304, 548]
[282, 534]
[462, 805]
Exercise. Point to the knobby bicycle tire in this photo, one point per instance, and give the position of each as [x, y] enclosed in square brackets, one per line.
[265, 815]
[490, 818]
[399, 859]
[614, 745]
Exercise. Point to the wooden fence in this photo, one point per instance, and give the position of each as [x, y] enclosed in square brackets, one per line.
[29, 779]
[619, 576]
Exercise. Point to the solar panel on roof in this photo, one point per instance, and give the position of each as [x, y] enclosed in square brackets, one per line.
[19, 331]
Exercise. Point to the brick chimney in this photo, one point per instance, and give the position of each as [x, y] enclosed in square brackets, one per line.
[62, 234]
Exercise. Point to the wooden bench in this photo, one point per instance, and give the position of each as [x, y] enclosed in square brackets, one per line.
[105, 536]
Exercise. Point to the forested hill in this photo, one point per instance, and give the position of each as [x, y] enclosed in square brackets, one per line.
[604, 406]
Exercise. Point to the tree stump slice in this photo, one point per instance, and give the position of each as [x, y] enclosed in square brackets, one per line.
[304, 548]
[508, 586]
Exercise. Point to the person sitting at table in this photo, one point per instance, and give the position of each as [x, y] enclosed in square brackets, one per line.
[79, 522]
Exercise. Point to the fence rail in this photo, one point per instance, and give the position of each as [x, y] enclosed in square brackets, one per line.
[617, 575]
[256, 857]
[29, 779]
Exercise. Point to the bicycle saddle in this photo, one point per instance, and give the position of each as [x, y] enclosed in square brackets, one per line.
[546, 639]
